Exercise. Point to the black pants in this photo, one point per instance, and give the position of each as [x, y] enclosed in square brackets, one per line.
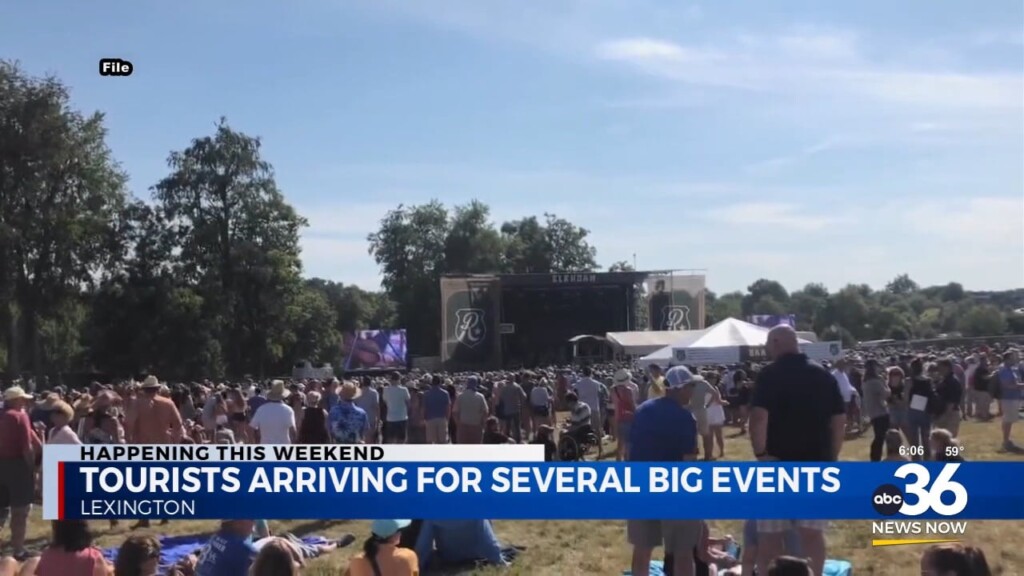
[880, 426]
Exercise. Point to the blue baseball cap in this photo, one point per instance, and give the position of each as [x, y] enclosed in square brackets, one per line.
[388, 528]
[679, 377]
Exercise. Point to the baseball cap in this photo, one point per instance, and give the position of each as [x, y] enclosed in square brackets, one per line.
[388, 528]
[679, 377]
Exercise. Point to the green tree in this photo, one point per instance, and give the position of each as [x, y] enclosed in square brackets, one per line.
[902, 284]
[983, 320]
[60, 194]
[761, 289]
[238, 242]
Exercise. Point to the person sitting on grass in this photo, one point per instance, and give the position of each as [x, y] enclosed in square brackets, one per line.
[894, 446]
[944, 447]
[493, 434]
[454, 542]
[71, 552]
[138, 556]
[230, 551]
[381, 554]
[276, 558]
[954, 559]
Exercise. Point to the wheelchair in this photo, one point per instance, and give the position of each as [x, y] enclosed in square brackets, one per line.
[579, 446]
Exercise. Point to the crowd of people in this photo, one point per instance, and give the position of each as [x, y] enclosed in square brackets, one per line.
[792, 409]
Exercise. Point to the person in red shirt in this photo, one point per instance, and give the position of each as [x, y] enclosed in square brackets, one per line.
[18, 445]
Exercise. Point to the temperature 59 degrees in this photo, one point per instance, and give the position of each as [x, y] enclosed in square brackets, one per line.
[928, 494]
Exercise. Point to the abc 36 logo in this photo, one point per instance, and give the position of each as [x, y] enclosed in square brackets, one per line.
[921, 494]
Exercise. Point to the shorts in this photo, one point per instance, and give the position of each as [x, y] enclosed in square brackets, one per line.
[677, 536]
[396, 431]
[776, 526]
[540, 411]
[17, 483]
[1011, 411]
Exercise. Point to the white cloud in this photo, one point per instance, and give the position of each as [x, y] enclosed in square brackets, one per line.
[976, 222]
[770, 215]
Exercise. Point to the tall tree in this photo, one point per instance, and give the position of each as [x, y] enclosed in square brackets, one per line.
[60, 194]
[239, 242]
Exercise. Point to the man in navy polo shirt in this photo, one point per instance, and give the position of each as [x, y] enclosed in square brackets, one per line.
[664, 430]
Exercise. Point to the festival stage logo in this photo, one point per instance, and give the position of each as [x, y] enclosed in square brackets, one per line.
[675, 318]
[470, 328]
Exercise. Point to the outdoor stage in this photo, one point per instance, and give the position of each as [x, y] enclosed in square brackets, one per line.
[510, 320]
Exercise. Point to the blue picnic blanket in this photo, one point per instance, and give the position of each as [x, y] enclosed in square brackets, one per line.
[175, 548]
[832, 568]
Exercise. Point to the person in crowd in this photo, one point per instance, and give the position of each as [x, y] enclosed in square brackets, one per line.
[743, 395]
[846, 389]
[876, 406]
[61, 433]
[315, 428]
[919, 421]
[458, 541]
[541, 409]
[138, 556]
[257, 399]
[749, 553]
[493, 433]
[417, 433]
[624, 394]
[71, 553]
[798, 415]
[949, 392]
[381, 555]
[19, 446]
[701, 395]
[546, 436]
[664, 430]
[276, 558]
[895, 446]
[512, 401]
[215, 412]
[790, 566]
[655, 386]
[588, 391]
[580, 420]
[437, 408]
[230, 551]
[954, 559]
[944, 447]
[470, 413]
[349, 423]
[716, 423]
[396, 401]
[1011, 390]
[980, 383]
[274, 423]
[369, 400]
[897, 398]
[296, 400]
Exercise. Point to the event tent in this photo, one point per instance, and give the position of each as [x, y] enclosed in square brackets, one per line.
[729, 342]
[638, 343]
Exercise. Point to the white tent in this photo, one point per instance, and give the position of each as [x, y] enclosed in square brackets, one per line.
[730, 341]
[640, 342]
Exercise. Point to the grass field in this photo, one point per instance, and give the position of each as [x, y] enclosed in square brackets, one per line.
[599, 547]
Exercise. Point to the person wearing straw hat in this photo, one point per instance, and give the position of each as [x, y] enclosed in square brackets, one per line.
[18, 445]
[381, 555]
[154, 420]
[274, 422]
[349, 423]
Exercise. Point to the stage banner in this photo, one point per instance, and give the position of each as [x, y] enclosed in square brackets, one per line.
[773, 320]
[331, 487]
[470, 322]
[675, 301]
[819, 351]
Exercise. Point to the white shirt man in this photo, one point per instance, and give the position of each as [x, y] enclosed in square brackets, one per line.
[275, 421]
[589, 392]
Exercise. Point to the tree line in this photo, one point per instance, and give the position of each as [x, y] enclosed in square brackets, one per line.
[204, 278]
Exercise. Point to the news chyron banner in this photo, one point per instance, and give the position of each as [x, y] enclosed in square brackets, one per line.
[503, 482]
[675, 301]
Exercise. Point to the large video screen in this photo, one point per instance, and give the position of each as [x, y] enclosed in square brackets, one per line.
[374, 350]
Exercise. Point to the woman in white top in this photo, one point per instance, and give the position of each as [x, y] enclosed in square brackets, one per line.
[61, 416]
[716, 422]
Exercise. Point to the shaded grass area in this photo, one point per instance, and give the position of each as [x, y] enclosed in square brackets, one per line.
[599, 547]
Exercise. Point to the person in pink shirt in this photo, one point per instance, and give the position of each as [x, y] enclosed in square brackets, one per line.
[71, 552]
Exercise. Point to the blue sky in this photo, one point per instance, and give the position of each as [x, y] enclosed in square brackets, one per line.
[802, 141]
